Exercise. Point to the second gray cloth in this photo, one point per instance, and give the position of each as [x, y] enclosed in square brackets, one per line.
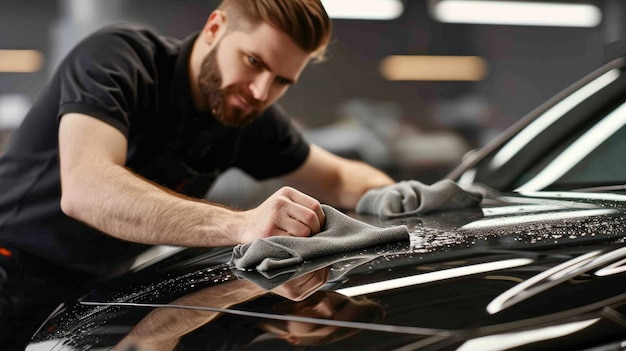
[412, 197]
[340, 233]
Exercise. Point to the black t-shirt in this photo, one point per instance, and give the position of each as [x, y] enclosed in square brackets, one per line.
[136, 81]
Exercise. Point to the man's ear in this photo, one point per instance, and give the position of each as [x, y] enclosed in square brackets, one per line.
[214, 27]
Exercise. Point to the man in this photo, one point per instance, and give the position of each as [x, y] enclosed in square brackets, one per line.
[128, 136]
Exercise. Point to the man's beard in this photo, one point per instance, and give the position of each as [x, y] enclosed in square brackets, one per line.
[210, 82]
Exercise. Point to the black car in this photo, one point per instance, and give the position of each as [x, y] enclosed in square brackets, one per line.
[541, 265]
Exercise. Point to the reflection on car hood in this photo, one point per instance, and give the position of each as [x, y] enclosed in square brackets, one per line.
[540, 271]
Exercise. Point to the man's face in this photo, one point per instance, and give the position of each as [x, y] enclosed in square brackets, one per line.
[246, 71]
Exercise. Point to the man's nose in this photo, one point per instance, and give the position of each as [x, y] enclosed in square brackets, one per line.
[261, 85]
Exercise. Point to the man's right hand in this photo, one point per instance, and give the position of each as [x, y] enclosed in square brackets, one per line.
[286, 212]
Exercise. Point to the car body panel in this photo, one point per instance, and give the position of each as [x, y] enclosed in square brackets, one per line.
[462, 280]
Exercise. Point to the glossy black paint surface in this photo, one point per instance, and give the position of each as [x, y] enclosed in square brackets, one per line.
[447, 286]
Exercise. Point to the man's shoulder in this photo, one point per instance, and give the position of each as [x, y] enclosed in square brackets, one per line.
[137, 34]
[127, 43]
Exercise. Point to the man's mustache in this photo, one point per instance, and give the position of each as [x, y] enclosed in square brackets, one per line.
[245, 95]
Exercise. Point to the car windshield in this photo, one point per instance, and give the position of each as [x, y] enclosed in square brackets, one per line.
[576, 141]
[592, 158]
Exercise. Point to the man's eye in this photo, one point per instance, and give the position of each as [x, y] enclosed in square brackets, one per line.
[253, 61]
[283, 81]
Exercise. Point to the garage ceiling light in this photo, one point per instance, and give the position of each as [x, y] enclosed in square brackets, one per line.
[529, 13]
[364, 9]
[20, 61]
[433, 68]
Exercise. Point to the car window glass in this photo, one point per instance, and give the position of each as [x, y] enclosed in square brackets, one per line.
[573, 143]
[594, 157]
[551, 116]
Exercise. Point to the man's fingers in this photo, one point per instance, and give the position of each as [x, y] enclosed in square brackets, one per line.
[302, 221]
[293, 220]
[308, 203]
[286, 212]
[304, 209]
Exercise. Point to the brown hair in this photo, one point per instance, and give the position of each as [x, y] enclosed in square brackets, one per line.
[304, 21]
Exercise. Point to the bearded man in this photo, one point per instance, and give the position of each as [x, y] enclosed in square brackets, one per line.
[124, 142]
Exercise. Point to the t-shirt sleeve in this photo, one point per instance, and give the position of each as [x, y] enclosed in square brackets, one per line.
[271, 146]
[106, 76]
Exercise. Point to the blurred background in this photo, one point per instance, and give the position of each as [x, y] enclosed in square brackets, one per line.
[409, 86]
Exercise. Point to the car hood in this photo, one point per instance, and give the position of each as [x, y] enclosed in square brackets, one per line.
[524, 271]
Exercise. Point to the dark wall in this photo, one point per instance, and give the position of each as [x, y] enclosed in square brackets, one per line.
[526, 64]
[25, 25]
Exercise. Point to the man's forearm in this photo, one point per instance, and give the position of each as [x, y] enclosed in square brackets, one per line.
[338, 181]
[128, 207]
[356, 179]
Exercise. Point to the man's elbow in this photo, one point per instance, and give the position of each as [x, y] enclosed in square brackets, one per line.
[70, 203]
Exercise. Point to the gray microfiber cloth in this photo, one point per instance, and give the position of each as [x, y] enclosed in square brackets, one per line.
[412, 197]
[340, 234]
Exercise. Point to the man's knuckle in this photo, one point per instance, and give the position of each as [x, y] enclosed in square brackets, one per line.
[310, 217]
[303, 231]
[286, 190]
